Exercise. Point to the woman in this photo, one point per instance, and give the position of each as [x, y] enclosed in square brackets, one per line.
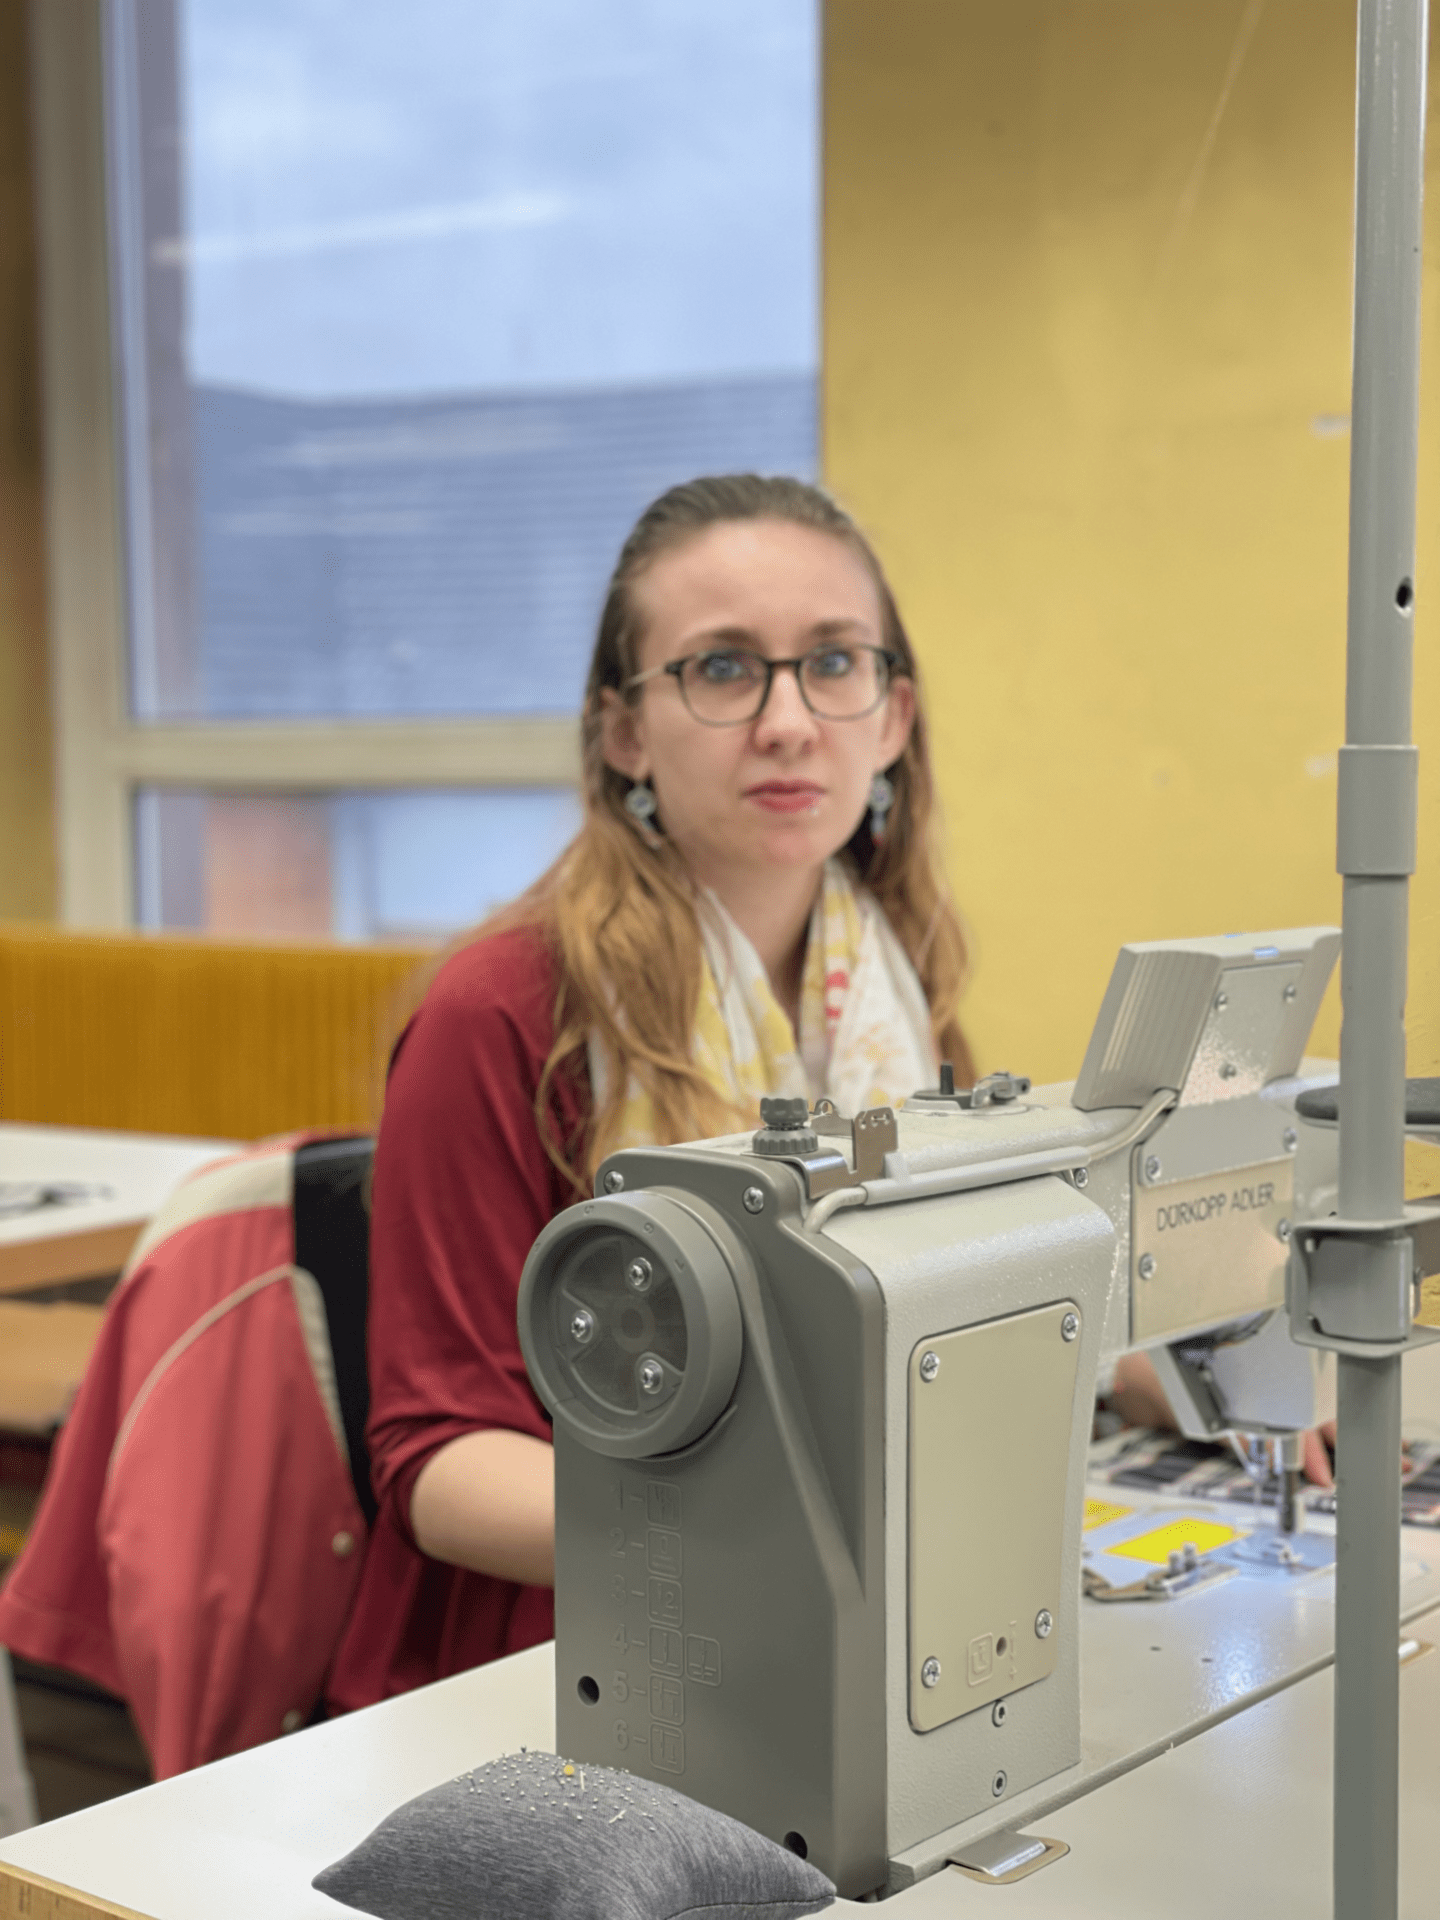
[754, 904]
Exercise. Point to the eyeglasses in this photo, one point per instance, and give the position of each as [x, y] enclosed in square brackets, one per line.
[728, 686]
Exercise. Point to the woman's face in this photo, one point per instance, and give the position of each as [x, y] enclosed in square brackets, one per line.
[784, 790]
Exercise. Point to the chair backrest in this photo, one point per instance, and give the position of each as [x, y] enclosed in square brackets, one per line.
[332, 1242]
[229, 1378]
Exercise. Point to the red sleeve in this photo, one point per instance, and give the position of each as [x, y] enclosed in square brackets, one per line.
[462, 1186]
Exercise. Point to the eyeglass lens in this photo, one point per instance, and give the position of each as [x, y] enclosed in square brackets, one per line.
[727, 687]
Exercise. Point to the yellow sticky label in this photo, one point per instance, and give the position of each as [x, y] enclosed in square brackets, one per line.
[1098, 1512]
[1161, 1542]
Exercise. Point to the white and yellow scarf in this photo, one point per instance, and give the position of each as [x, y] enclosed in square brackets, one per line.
[864, 1036]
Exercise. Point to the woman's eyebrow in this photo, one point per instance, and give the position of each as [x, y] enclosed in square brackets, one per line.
[746, 636]
[723, 637]
[827, 629]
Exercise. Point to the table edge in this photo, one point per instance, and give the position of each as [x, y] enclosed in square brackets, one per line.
[54, 1259]
[31, 1896]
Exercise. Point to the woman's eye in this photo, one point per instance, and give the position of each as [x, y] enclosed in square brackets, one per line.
[832, 663]
[721, 668]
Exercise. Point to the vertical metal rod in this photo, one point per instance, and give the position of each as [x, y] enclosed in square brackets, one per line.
[1390, 114]
[1367, 1667]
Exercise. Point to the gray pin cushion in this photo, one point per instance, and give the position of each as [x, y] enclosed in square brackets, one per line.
[535, 1837]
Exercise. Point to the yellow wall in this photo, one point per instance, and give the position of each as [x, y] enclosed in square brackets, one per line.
[1080, 326]
[27, 835]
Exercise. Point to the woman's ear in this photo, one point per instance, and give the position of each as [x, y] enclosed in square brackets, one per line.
[622, 736]
[899, 719]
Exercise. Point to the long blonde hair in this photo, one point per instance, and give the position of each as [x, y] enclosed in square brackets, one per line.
[618, 908]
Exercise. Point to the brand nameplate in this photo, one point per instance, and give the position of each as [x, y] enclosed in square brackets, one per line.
[1208, 1250]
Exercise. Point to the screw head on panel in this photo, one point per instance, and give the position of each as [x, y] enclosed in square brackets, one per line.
[1082, 1176]
[1289, 994]
[999, 1783]
[1044, 1621]
[1290, 1139]
[651, 1376]
[1146, 1268]
[929, 1366]
[1282, 1230]
[614, 1181]
[999, 1714]
[930, 1672]
[1222, 1000]
[1070, 1326]
[637, 1275]
[754, 1198]
[582, 1327]
[1152, 1166]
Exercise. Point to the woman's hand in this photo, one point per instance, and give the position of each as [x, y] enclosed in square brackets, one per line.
[1139, 1399]
[487, 1502]
[1137, 1395]
[1319, 1454]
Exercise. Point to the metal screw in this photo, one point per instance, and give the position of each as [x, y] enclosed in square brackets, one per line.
[929, 1366]
[613, 1181]
[1291, 1139]
[999, 1713]
[1289, 993]
[1043, 1624]
[930, 1672]
[754, 1198]
[651, 1376]
[1082, 1176]
[582, 1326]
[1282, 1231]
[1147, 1266]
[1152, 1166]
[637, 1274]
[1222, 1000]
[999, 1783]
[1070, 1326]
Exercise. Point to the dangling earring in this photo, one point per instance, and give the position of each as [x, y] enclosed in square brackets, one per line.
[882, 798]
[640, 805]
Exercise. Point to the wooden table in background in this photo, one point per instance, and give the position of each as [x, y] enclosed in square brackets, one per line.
[45, 1342]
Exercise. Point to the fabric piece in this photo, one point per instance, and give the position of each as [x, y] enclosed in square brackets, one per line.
[461, 1187]
[554, 1840]
[184, 1552]
[864, 1040]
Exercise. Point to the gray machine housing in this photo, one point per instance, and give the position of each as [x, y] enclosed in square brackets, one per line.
[821, 1419]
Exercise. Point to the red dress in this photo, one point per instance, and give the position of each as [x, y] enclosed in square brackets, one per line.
[462, 1186]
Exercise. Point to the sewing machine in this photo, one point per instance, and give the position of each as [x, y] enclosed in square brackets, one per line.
[823, 1396]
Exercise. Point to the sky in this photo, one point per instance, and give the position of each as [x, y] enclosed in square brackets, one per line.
[455, 195]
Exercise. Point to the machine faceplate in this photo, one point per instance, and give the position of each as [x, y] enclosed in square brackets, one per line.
[990, 1413]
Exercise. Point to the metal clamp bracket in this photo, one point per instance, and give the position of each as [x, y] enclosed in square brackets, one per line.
[872, 1134]
[1377, 810]
[1358, 1286]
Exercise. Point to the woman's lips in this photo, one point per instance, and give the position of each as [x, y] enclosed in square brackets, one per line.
[786, 796]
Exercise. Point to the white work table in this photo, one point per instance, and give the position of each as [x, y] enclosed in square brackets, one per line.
[128, 1176]
[1239, 1813]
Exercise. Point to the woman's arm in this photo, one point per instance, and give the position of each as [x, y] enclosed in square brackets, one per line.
[459, 1444]
[487, 1502]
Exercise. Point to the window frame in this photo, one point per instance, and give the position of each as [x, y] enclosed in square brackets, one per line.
[103, 756]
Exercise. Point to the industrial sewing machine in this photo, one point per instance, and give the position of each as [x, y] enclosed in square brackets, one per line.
[823, 1396]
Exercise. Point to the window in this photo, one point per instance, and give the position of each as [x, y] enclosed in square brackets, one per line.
[413, 309]
[406, 866]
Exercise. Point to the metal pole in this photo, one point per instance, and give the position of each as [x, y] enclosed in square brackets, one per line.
[1376, 857]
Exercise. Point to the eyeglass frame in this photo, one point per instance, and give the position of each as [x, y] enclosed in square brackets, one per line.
[894, 666]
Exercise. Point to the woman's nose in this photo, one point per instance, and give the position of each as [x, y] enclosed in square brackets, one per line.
[785, 714]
